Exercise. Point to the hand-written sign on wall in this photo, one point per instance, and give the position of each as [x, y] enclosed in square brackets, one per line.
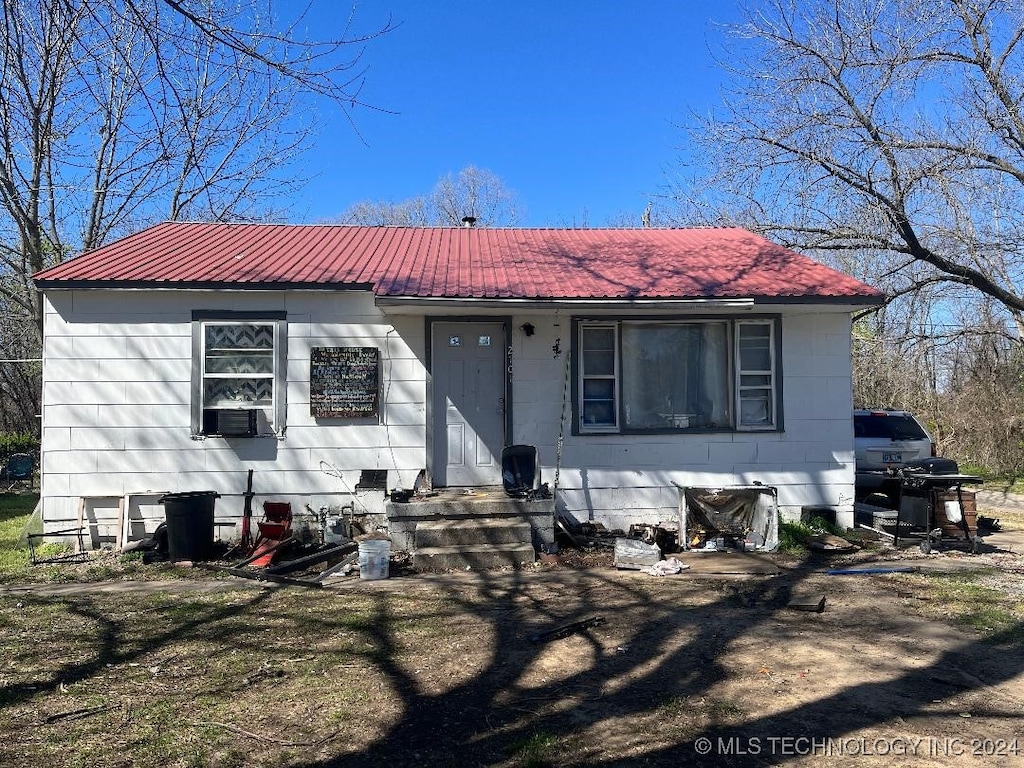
[344, 382]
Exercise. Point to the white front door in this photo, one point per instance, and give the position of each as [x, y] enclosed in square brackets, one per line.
[468, 401]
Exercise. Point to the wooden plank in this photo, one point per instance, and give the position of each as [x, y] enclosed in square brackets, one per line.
[125, 514]
[338, 566]
[332, 551]
[79, 522]
[261, 575]
[122, 522]
[814, 603]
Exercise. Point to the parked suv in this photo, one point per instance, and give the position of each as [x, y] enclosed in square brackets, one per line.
[886, 440]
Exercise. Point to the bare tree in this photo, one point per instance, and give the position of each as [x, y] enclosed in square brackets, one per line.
[118, 113]
[408, 213]
[478, 193]
[982, 410]
[892, 132]
[888, 139]
[474, 192]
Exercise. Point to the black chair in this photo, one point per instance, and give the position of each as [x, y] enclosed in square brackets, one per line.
[20, 468]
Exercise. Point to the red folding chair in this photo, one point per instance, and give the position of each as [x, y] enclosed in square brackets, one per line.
[275, 527]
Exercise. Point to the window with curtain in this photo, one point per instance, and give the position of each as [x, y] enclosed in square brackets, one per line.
[639, 376]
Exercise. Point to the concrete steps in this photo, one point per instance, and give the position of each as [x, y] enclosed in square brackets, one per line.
[475, 528]
[453, 533]
[475, 557]
[476, 544]
[484, 516]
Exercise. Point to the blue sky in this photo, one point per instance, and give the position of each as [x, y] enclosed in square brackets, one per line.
[574, 104]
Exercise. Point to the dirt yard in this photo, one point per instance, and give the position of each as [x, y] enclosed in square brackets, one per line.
[700, 668]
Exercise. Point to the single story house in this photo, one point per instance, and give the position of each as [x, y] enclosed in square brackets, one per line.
[342, 361]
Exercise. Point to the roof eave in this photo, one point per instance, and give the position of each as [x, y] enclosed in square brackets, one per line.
[833, 303]
[209, 285]
[443, 302]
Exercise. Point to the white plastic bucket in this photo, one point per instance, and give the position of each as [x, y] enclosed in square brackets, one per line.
[373, 558]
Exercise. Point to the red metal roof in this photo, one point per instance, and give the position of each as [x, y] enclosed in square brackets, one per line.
[461, 262]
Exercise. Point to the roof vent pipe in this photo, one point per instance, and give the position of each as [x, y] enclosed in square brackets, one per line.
[468, 221]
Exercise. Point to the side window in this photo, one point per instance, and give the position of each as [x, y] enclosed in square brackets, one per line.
[755, 375]
[238, 374]
[598, 386]
[238, 365]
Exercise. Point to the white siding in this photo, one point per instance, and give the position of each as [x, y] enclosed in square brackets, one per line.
[116, 413]
[619, 480]
[116, 403]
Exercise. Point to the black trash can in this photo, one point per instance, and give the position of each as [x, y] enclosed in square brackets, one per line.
[189, 518]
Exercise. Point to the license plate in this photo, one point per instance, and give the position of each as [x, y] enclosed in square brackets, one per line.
[892, 458]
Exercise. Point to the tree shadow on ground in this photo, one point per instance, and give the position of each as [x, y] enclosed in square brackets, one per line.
[103, 635]
[664, 643]
[486, 720]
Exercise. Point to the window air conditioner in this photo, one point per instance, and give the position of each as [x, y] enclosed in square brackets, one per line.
[230, 423]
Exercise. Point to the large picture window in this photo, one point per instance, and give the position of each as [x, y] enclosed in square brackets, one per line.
[642, 376]
[239, 376]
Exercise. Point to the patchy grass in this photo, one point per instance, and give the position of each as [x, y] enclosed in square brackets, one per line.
[793, 536]
[412, 672]
[539, 751]
[101, 565]
[243, 677]
[444, 671]
[183, 678]
[15, 511]
[711, 711]
[960, 598]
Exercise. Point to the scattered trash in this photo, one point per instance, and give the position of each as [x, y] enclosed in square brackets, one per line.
[713, 545]
[568, 629]
[812, 603]
[989, 523]
[564, 529]
[635, 554]
[827, 542]
[593, 535]
[338, 558]
[549, 553]
[666, 567]
[665, 535]
[864, 571]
